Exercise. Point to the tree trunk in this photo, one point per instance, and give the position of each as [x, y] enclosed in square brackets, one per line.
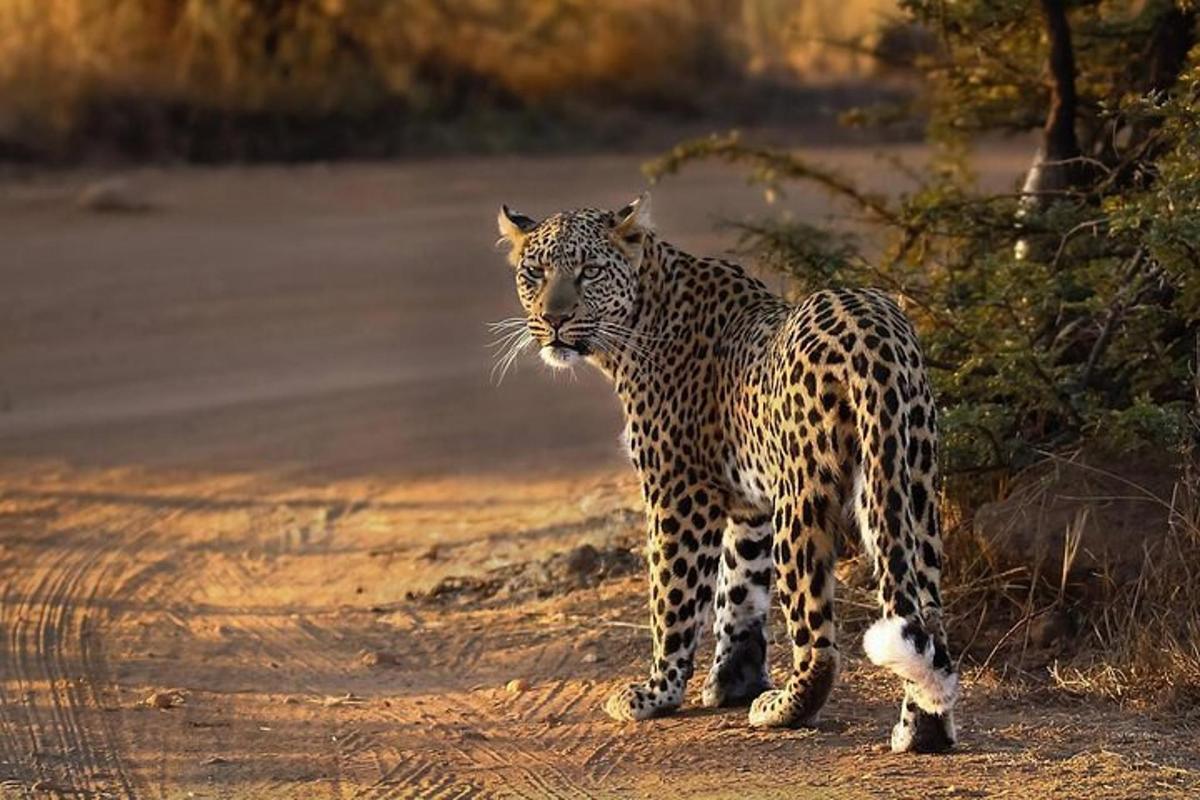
[1056, 166]
[1059, 141]
[1173, 36]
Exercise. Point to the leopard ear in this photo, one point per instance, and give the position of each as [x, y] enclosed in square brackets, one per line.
[633, 221]
[630, 227]
[514, 228]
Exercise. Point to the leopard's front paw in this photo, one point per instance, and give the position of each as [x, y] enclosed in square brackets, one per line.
[639, 701]
[777, 709]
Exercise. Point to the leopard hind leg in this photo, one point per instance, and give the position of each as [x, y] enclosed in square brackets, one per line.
[739, 667]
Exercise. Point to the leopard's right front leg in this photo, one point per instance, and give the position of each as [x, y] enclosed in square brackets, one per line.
[683, 556]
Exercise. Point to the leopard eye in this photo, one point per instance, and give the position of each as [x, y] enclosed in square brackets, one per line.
[591, 272]
[533, 273]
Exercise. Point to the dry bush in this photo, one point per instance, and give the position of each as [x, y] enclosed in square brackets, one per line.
[63, 62]
[1092, 633]
[1145, 635]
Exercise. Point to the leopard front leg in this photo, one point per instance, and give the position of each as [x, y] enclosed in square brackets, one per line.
[683, 557]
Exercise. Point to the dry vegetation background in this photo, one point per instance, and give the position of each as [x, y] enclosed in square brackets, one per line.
[300, 77]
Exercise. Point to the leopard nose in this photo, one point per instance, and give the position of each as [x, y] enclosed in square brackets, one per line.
[556, 319]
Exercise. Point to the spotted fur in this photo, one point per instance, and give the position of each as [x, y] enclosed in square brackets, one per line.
[759, 429]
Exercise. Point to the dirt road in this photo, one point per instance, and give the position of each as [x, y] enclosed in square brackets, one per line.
[267, 530]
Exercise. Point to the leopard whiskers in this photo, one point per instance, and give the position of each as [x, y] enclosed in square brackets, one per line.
[637, 340]
[506, 323]
[508, 330]
[514, 335]
[626, 332]
[507, 355]
[618, 346]
[506, 339]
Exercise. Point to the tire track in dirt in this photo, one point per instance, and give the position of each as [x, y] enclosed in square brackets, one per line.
[118, 583]
[281, 638]
[98, 683]
[269, 636]
[42, 639]
[217, 559]
[536, 743]
[467, 654]
[156, 586]
[607, 743]
[606, 747]
[448, 776]
[21, 772]
[418, 647]
[494, 739]
[56, 619]
[276, 635]
[359, 757]
[594, 744]
[449, 787]
[407, 774]
[313, 654]
[54, 626]
[552, 717]
[52, 738]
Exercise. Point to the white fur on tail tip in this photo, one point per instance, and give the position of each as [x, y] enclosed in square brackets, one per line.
[934, 690]
[886, 647]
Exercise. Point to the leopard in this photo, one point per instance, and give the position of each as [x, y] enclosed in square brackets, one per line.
[763, 431]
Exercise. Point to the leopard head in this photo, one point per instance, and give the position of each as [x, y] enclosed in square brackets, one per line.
[577, 276]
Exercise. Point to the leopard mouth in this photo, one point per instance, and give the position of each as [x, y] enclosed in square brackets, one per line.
[561, 354]
[579, 347]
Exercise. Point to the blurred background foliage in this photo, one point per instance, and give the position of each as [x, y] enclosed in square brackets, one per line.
[206, 79]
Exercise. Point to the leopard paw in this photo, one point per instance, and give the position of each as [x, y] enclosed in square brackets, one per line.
[799, 704]
[738, 675]
[925, 733]
[778, 709]
[722, 689]
[637, 702]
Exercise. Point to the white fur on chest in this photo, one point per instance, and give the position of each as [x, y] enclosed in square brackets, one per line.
[626, 440]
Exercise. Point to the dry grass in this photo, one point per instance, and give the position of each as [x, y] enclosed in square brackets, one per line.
[62, 60]
[1145, 635]
[1092, 635]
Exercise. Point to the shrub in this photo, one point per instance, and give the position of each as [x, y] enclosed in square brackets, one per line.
[1050, 319]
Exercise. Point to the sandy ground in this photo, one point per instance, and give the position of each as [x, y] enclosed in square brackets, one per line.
[267, 530]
